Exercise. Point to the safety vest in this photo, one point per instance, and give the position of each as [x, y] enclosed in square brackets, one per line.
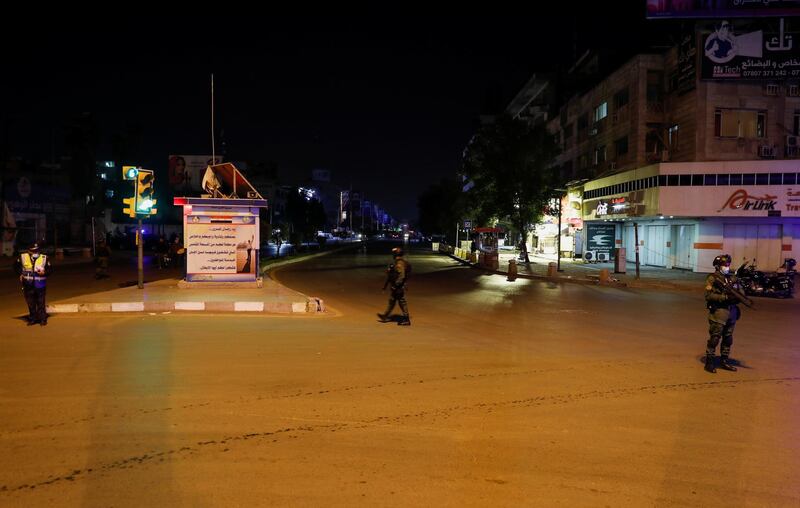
[33, 269]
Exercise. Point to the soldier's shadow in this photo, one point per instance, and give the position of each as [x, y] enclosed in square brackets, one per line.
[739, 364]
[394, 318]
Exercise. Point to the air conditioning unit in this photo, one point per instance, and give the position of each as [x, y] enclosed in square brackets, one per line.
[593, 131]
[792, 141]
[602, 257]
[766, 151]
[590, 256]
[793, 90]
[772, 89]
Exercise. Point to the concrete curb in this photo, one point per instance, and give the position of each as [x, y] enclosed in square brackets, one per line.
[543, 278]
[312, 305]
[631, 284]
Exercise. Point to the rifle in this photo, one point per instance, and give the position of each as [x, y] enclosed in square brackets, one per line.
[732, 291]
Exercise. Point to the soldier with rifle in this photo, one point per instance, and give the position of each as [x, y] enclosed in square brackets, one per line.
[396, 277]
[722, 298]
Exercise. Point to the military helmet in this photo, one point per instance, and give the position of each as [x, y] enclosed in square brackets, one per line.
[722, 259]
[397, 252]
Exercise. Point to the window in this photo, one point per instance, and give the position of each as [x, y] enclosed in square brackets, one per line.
[673, 180]
[776, 178]
[662, 180]
[710, 180]
[722, 179]
[740, 123]
[621, 98]
[762, 179]
[653, 181]
[621, 146]
[600, 154]
[601, 111]
[685, 180]
[796, 123]
[789, 178]
[748, 179]
[583, 161]
[583, 122]
[697, 179]
[672, 137]
[654, 86]
[736, 179]
[568, 131]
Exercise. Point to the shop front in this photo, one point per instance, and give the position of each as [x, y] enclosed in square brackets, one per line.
[685, 214]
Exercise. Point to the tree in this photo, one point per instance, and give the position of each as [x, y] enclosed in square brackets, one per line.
[510, 166]
[441, 207]
[305, 216]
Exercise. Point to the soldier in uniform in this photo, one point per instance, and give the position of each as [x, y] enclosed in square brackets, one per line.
[102, 257]
[33, 269]
[722, 314]
[396, 276]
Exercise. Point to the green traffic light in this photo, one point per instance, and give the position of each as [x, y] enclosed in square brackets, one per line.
[132, 172]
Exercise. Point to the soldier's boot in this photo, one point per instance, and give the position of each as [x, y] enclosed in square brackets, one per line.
[724, 364]
[405, 321]
[383, 317]
[710, 364]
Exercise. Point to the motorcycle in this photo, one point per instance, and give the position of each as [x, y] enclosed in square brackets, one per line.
[779, 284]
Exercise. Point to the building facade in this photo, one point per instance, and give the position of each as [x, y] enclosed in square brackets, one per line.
[701, 166]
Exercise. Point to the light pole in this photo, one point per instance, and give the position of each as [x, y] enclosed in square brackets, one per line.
[558, 242]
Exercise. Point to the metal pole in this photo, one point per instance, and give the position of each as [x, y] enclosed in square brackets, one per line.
[140, 262]
[456, 245]
[93, 239]
[558, 244]
[636, 247]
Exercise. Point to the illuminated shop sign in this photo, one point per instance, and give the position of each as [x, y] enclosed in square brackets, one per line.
[741, 200]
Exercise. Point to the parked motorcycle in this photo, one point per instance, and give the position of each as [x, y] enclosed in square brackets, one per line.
[779, 284]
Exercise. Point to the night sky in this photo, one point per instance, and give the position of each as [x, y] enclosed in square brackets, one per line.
[387, 102]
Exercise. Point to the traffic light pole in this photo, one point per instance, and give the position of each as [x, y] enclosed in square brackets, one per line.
[139, 248]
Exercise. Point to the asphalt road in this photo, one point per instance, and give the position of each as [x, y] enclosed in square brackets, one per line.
[499, 394]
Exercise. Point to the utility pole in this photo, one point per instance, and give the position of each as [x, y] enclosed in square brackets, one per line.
[140, 251]
[636, 247]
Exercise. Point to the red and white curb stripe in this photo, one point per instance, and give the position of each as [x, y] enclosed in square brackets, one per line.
[311, 306]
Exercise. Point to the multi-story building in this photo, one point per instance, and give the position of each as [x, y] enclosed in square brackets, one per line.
[702, 157]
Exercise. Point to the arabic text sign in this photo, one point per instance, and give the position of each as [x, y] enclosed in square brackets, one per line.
[221, 249]
[600, 237]
[756, 55]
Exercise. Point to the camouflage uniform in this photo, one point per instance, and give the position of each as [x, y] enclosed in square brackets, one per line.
[396, 274]
[722, 316]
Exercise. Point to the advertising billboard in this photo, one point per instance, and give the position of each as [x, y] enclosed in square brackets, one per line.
[763, 52]
[660, 9]
[186, 172]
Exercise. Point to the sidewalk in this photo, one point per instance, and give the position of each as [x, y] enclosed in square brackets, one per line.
[165, 296]
[589, 273]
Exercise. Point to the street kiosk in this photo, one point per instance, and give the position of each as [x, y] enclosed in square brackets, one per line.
[221, 231]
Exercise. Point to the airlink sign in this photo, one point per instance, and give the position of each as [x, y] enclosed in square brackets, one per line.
[710, 201]
[741, 200]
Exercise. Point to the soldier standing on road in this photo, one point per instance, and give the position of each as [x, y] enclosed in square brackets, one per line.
[722, 314]
[396, 276]
[33, 269]
[102, 258]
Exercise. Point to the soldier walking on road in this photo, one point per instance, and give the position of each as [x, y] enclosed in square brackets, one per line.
[722, 313]
[33, 269]
[396, 277]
